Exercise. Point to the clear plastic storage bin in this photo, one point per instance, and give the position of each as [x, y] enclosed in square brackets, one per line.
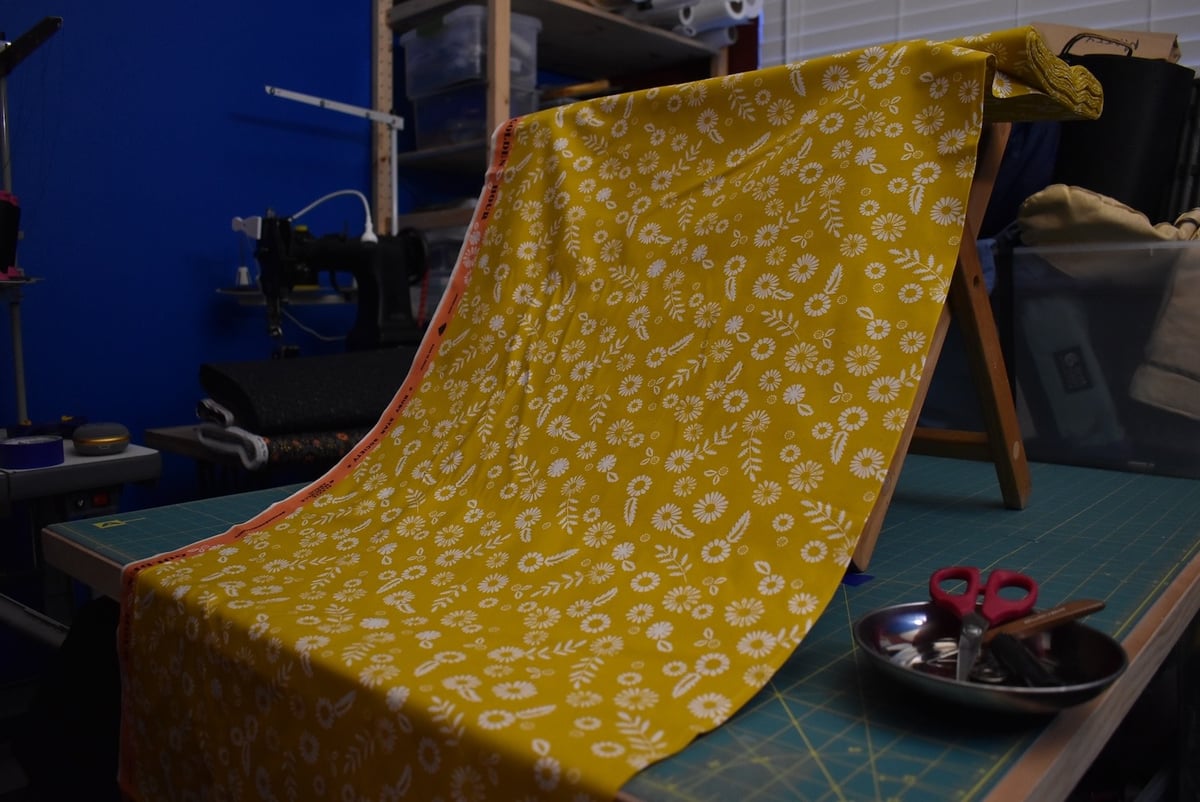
[1105, 354]
[456, 50]
[459, 114]
[442, 249]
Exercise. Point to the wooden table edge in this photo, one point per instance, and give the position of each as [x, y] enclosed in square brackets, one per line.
[1052, 766]
[75, 559]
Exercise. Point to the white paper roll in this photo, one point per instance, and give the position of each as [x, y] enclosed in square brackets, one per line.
[708, 15]
[654, 5]
[718, 37]
[663, 17]
[752, 9]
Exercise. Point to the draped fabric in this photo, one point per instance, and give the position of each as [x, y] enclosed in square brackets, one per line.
[626, 472]
[1032, 83]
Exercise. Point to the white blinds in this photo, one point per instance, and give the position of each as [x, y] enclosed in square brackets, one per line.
[794, 29]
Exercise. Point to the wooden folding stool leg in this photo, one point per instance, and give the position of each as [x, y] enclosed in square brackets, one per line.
[968, 304]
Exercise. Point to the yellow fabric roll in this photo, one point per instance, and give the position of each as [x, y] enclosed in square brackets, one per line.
[1031, 82]
[627, 473]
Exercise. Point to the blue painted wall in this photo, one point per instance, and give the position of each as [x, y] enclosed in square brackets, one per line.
[138, 131]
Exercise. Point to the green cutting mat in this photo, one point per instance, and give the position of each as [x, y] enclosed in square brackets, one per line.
[131, 536]
[827, 727]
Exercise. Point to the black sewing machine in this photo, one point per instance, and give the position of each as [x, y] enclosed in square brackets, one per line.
[383, 271]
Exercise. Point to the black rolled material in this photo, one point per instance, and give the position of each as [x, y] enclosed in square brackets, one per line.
[313, 393]
[1130, 152]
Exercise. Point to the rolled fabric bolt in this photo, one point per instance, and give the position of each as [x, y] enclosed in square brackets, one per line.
[708, 15]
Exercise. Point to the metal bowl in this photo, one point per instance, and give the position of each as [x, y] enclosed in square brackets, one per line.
[913, 643]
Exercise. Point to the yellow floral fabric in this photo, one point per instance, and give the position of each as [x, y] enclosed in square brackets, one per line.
[1031, 82]
[653, 413]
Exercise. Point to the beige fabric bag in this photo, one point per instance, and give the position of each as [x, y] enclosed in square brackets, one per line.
[1068, 215]
[1061, 214]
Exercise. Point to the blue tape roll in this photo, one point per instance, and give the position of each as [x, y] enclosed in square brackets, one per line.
[38, 451]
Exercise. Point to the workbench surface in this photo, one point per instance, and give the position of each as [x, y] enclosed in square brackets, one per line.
[828, 726]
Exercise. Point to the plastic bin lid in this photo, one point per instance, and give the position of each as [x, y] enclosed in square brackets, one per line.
[480, 12]
[464, 13]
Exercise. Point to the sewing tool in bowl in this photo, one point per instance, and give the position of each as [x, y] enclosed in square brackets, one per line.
[917, 645]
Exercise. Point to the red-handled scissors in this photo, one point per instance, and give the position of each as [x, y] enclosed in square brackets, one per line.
[976, 618]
